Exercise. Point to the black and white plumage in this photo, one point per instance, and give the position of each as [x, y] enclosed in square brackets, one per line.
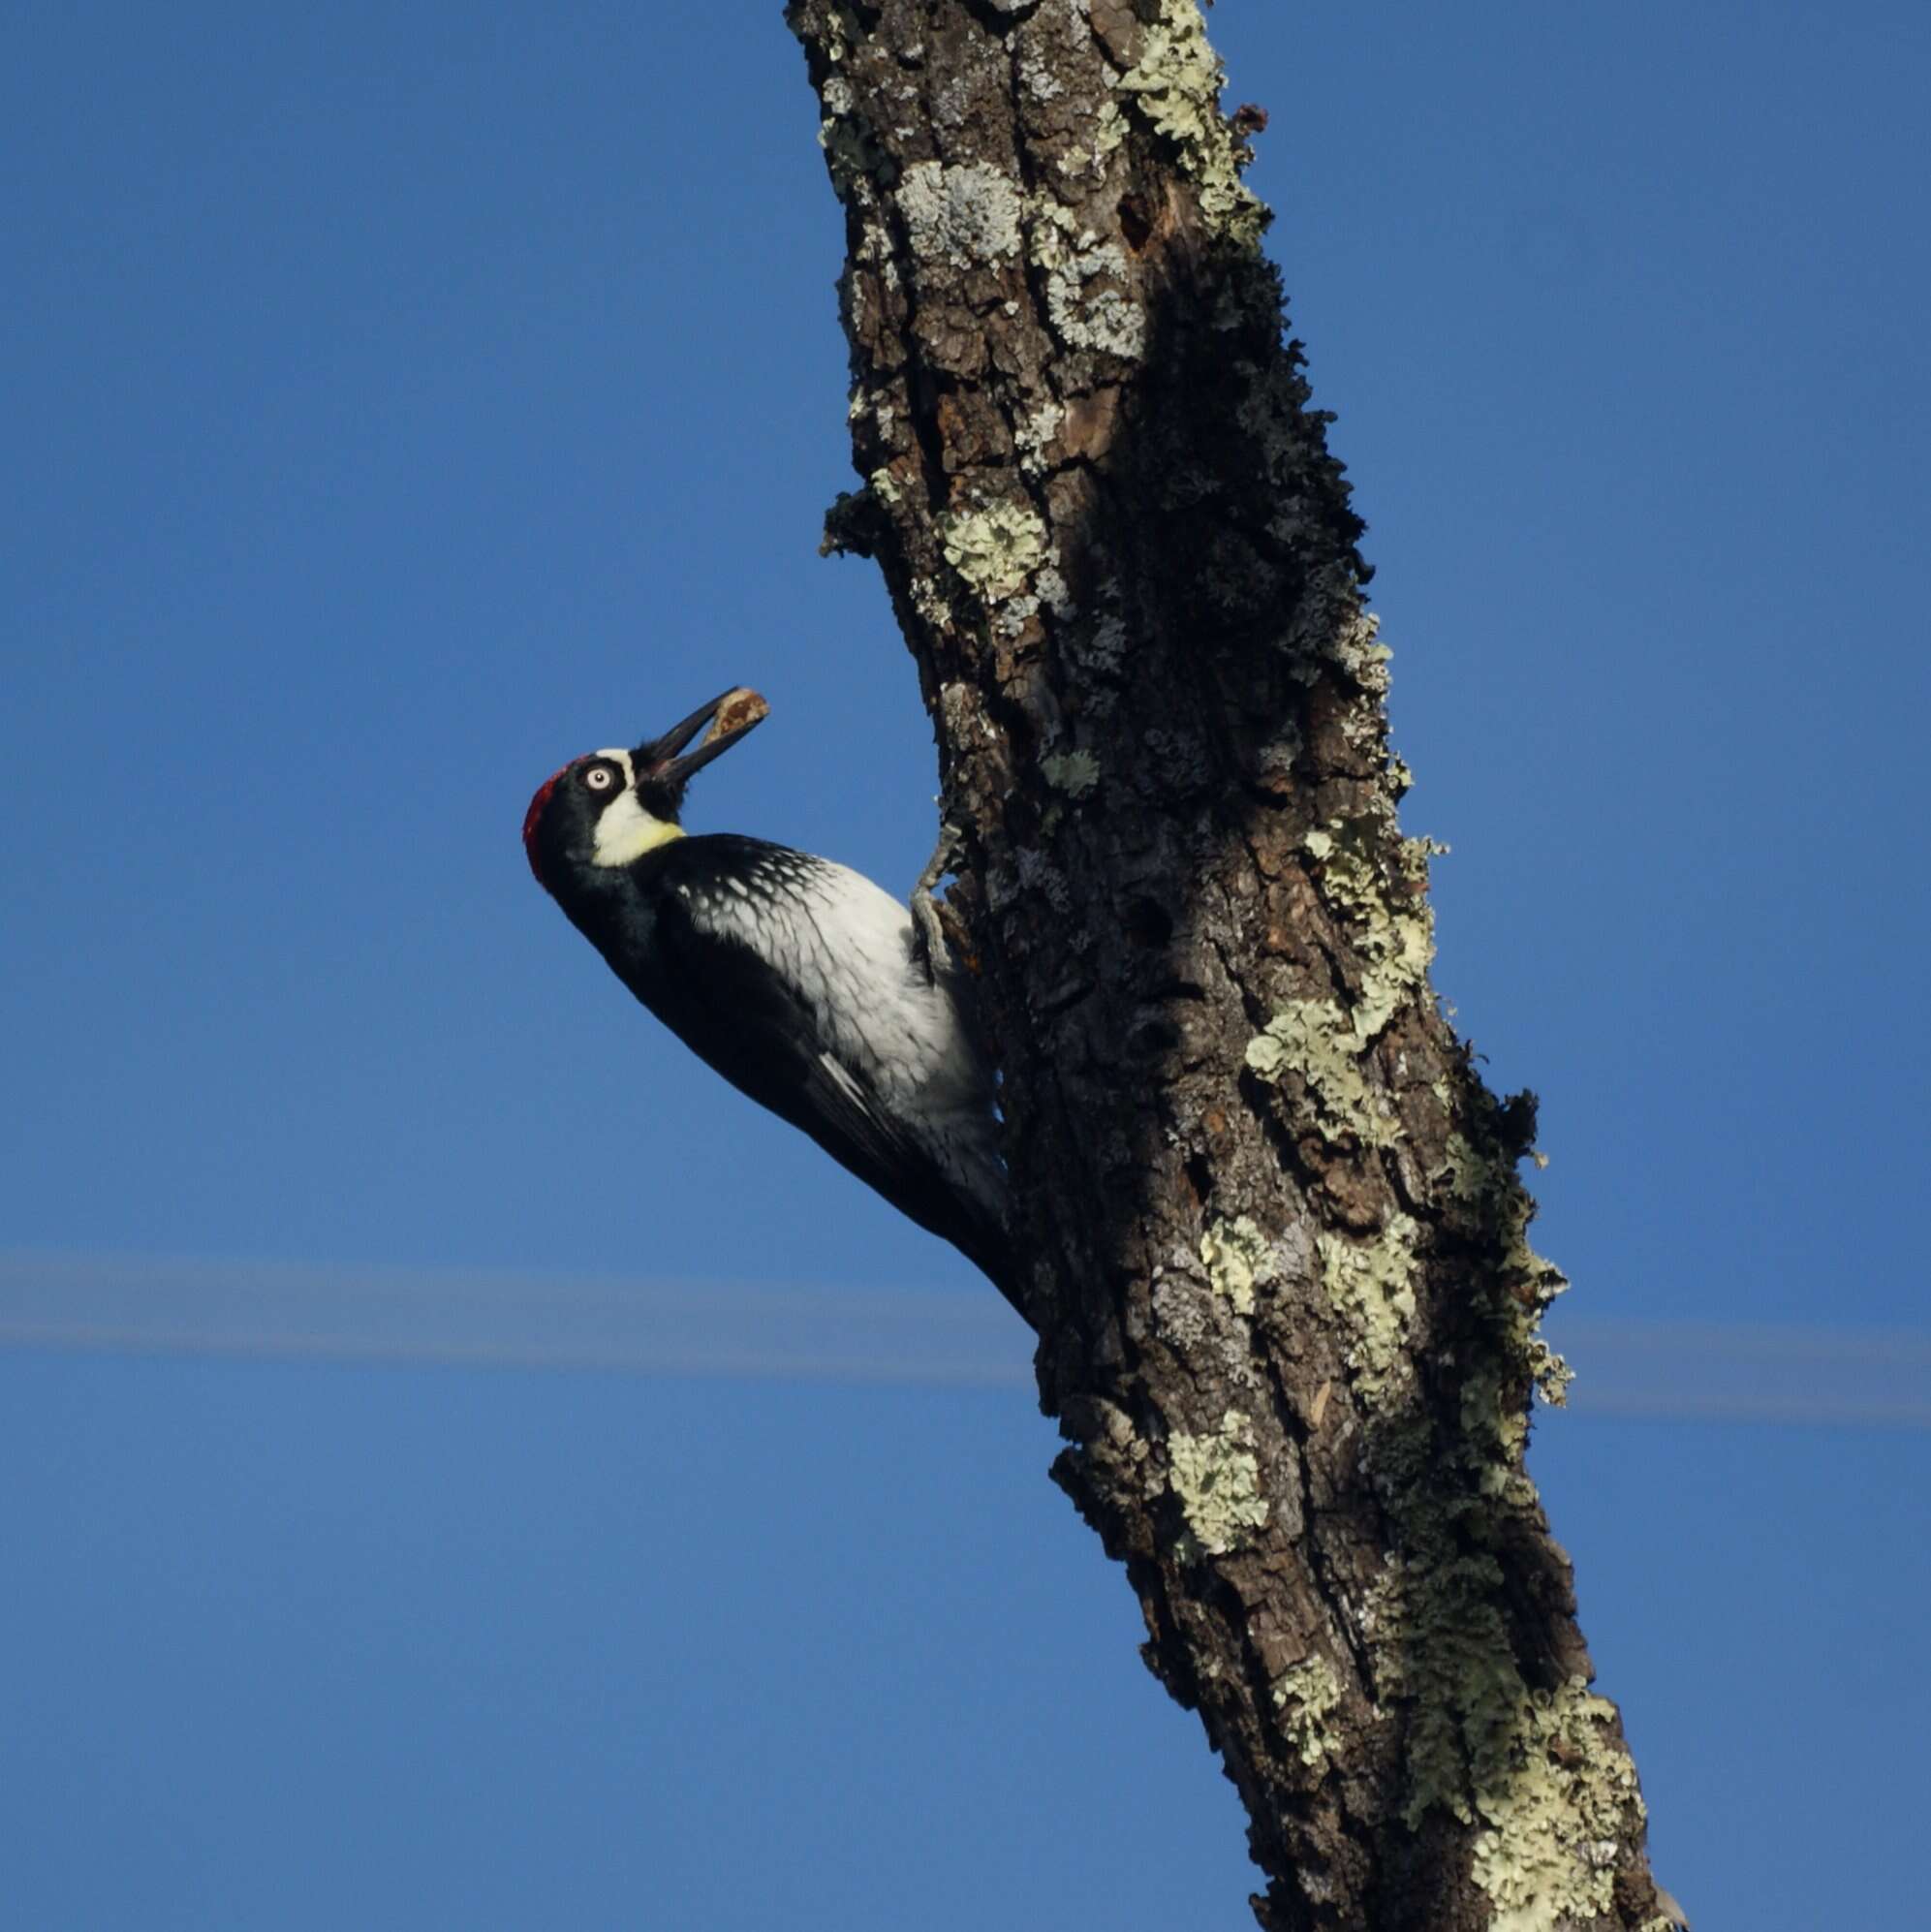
[796, 979]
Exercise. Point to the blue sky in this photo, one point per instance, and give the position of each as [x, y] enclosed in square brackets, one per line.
[403, 400]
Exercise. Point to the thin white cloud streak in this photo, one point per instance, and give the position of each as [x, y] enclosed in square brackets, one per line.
[282, 1311]
[419, 1317]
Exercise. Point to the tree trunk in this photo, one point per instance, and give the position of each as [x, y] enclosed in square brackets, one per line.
[1273, 1240]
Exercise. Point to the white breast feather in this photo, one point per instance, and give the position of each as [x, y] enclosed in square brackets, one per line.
[844, 946]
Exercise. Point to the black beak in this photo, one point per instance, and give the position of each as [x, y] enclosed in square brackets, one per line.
[658, 762]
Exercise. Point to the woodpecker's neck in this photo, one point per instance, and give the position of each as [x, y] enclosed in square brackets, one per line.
[627, 831]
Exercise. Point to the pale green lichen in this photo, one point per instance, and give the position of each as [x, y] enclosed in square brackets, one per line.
[882, 486]
[930, 606]
[1109, 129]
[1393, 937]
[1175, 87]
[1238, 1257]
[1479, 1743]
[1354, 643]
[1217, 1478]
[842, 28]
[1316, 1039]
[1442, 1651]
[1548, 1371]
[1542, 1774]
[1088, 282]
[1104, 648]
[1037, 74]
[995, 550]
[966, 214]
[1372, 1285]
[1034, 435]
[1467, 1174]
[855, 159]
[1395, 940]
[1073, 772]
[1556, 1816]
[1486, 1196]
[1307, 1695]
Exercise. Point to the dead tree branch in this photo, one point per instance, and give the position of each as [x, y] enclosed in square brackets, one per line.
[1277, 1245]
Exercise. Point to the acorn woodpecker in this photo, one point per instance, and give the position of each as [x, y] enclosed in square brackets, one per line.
[799, 981]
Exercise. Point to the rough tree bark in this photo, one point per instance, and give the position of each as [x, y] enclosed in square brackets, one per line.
[1275, 1239]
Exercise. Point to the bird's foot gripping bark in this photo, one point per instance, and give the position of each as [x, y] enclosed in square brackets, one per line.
[929, 930]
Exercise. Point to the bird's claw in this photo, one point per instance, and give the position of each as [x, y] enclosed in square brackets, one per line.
[925, 922]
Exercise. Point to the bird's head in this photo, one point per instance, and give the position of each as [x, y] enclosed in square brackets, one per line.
[608, 808]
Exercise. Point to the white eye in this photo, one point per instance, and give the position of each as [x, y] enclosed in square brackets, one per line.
[600, 778]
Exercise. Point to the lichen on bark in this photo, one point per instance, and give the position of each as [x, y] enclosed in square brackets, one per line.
[1276, 1246]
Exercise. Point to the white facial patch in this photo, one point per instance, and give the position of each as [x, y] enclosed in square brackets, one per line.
[625, 830]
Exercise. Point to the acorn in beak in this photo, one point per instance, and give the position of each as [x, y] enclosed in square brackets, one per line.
[730, 716]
